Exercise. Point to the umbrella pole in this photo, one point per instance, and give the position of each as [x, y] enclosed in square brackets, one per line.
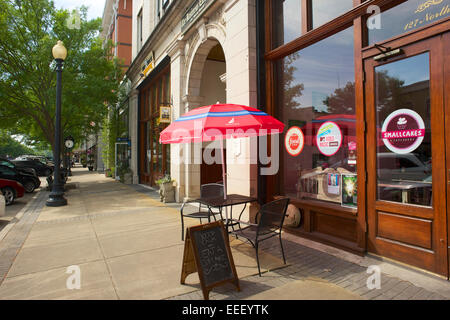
[224, 175]
[224, 172]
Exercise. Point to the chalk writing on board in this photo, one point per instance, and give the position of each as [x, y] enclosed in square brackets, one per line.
[213, 258]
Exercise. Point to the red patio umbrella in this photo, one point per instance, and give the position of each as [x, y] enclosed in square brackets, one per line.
[218, 122]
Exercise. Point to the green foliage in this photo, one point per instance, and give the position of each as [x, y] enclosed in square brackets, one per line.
[28, 32]
[165, 179]
[12, 148]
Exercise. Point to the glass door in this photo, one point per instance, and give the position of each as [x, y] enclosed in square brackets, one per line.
[406, 199]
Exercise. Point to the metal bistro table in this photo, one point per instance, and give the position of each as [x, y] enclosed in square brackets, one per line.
[232, 200]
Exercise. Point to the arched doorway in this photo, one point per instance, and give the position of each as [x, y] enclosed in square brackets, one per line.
[212, 91]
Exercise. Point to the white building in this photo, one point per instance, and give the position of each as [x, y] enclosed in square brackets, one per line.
[188, 54]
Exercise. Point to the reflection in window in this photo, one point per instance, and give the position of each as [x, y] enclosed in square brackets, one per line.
[287, 22]
[409, 15]
[324, 11]
[317, 89]
[404, 163]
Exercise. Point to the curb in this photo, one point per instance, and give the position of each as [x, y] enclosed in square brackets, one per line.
[17, 217]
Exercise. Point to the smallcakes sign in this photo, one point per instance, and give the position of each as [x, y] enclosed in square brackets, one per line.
[403, 131]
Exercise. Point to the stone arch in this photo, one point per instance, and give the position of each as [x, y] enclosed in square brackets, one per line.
[196, 57]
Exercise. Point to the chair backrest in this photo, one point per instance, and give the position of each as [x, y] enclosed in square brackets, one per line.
[271, 216]
[211, 190]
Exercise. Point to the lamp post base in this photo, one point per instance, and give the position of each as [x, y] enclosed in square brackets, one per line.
[56, 200]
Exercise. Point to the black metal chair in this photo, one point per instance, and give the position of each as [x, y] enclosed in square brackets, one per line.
[210, 190]
[269, 222]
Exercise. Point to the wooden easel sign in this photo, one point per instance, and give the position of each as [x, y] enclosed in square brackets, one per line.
[207, 251]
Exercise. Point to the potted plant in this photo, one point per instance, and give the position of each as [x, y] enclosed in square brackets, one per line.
[166, 189]
[90, 162]
[83, 160]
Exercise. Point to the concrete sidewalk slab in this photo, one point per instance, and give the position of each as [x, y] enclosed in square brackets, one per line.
[95, 284]
[308, 289]
[50, 256]
[113, 224]
[148, 275]
[49, 233]
[124, 243]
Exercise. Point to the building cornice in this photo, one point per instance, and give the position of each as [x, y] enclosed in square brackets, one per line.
[171, 17]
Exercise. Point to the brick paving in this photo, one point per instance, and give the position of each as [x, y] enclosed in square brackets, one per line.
[306, 263]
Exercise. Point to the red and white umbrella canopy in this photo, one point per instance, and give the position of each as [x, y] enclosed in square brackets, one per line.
[220, 121]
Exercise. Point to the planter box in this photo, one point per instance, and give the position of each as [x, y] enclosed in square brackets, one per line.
[167, 192]
[128, 178]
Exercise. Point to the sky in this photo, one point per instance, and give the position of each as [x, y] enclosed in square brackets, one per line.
[95, 6]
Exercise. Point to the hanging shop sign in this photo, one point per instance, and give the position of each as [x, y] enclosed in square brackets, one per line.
[165, 114]
[148, 65]
[329, 138]
[294, 141]
[403, 131]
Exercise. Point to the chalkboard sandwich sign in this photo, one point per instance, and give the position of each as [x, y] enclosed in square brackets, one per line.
[207, 251]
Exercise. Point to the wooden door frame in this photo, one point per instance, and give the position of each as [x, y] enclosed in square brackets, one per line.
[446, 43]
[433, 259]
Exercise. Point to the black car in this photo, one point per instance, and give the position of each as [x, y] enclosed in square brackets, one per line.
[6, 162]
[29, 181]
[42, 170]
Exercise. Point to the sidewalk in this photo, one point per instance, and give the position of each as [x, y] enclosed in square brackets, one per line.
[128, 245]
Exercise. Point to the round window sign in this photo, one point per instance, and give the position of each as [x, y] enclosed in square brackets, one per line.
[329, 138]
[403, 131]
[294, 141]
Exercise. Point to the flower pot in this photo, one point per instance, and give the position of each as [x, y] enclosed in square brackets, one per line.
[167, 192]
[128, 178]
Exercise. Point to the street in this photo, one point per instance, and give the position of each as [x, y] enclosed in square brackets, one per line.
[12, 210]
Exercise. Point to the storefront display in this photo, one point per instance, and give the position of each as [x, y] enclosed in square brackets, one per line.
[349, 190]
[155, 115]
[372, 173]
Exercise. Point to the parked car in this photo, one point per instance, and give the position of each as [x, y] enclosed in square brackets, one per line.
[6, 162]
[29, 181]
[42, 170]
[11, 190]
[41, 159]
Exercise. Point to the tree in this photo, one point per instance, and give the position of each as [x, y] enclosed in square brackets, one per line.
[28, 31]
[12, 148]
[291, 90]
[342, 101]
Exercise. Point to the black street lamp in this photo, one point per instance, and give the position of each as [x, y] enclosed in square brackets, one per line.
[56, 198]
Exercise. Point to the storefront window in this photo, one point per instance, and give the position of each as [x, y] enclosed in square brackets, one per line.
[316, 96]
[404, 169]
[408, 16]
[324, 11]
[287, 22]
[156, 156]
